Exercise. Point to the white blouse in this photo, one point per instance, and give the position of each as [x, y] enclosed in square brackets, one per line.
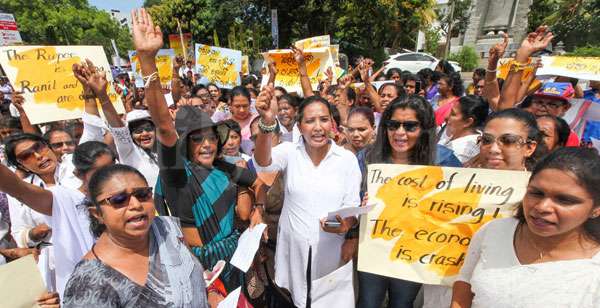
[310, 193]
[131, 154]
[499, 280]
[465, 148]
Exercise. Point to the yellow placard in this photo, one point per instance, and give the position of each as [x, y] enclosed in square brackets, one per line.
[245, 65]
[426, 216]
[317, 61]
[44, 75]
[221, 66]
[164, 63]
[587, 68]
[175, 44]
[313, 42]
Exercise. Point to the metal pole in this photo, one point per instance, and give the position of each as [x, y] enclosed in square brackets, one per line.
[449, 33]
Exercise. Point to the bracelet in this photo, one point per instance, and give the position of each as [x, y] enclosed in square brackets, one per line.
[265, 129]
[490, 71]
[150, 78]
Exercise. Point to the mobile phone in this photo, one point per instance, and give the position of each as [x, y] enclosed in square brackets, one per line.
[417, 87]
[332, 224]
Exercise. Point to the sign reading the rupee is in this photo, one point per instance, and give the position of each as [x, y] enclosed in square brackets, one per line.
[426, 216]
[44, 75]
[220, 66]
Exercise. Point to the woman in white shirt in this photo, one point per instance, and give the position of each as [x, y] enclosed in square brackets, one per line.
[319, 177]
[548, 255]
[462, 128]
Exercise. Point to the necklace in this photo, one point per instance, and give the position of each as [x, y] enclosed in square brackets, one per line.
[541, 254]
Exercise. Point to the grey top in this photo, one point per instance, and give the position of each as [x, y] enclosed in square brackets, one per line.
[175, 277]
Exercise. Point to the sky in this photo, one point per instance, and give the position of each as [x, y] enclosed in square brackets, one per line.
[125, 6]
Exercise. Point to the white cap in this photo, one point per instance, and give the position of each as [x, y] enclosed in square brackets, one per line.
[137, 114]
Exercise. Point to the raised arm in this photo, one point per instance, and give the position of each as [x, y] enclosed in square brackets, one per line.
[176, 79]
[147, 40]
[491, 90]
[373, 95]
[267, 108]
[272, 73]
[18, 101]
[304, 80]
[534, 42]
[35, 197]
[525, 84]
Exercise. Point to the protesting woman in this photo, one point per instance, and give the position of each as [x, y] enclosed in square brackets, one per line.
[135, 141]
[233, 141]
[195, 185]
[555, 131]
[407, 136]
[360, 129]
[320, 177]
[287, 107]
[241, 113]
[69, 221]
[138, 259]
[461, 132]
[510, 141]
[548, 255]
[450, 90]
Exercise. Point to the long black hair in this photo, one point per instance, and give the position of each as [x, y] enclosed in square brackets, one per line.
[87, 153]
[584, 164]
[95, 185]
[455, 83]
[474, 107]
[424, 151]
[11, 142]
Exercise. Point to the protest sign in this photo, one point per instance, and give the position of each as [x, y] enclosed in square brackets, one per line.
[175, 44]
[575, 67]
[164, 63]
[9, 32]
[245, 65]
[426, 216]
[317, 61]
[21, 283]
[44, 75]
[221, 66]
[313, 42]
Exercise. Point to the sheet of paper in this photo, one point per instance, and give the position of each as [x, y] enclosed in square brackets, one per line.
[247, 247]
[21, 283]
[350, 211]
[231, 300]
[334, 290]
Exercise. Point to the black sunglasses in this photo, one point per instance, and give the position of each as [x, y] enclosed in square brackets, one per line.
[58, 145]
[38, 147]
[142, 194]
[199, 138]
[409, 126]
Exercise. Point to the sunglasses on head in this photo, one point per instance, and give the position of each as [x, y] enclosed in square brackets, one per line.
[200, 138]
[142, 194]
[409, 126]
[143, 128]
[505, 140]
[38, 147]
[58, 145]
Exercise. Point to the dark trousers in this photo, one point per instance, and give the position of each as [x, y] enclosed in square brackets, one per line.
[372, 289]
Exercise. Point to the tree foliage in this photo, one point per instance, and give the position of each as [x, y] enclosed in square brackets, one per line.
[467, 58]
[66, 22]
[574, 22]
[460, 18]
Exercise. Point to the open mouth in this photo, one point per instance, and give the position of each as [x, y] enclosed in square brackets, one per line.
[45, 164]
[540, 222]
[319, 137]
[138, 220]
[400, 142]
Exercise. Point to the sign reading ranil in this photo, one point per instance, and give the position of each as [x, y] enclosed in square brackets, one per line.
[426, 216]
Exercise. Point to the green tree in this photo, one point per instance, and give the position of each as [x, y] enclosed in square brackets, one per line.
[460, 18]
[467, 58]
[432, 40]
[64, 22]
[574, 22]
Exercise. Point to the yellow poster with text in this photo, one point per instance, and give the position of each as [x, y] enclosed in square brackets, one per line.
[221, 66]
[44, 75]
[175, 44]
[313, 42]
[164, 63]
[587, 68]
[425, 217]
[317, 61]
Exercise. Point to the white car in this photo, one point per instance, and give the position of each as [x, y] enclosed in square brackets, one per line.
[414, 62]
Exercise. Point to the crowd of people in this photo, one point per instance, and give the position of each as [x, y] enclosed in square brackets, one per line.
[131, 210]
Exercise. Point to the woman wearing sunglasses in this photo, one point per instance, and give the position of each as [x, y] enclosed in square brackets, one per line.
[135, 137]
[70, 223]
[406, 135]
[60, 141]
[138, 259]
[195, 185]
[510, 140]
[548, 255]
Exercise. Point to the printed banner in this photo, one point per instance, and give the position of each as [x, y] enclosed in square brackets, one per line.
[175, 44]
[221, 66]
[164, 63]
[44, 75]
[317, 61]
[587, 68]
[425, 217]
[9, 32]
[313, 42]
